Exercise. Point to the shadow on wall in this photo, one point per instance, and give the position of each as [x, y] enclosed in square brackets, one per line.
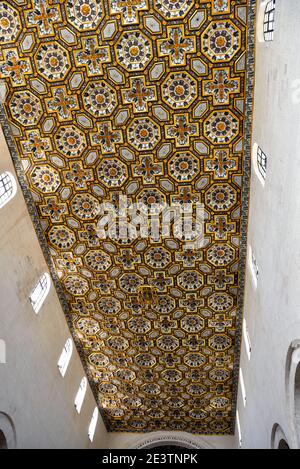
[3, 442]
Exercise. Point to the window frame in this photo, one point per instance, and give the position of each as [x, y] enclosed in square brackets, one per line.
[247, 340]
[253, 266]
[238, 424]
[44, 285]
[9, 184]
[93, 424]
[243, 388]
[269, 21]
[2, 352]
[65, 357]
[260, 163]
[80, 395]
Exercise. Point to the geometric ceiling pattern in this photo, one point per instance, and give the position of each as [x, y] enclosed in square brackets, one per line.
[148, 99]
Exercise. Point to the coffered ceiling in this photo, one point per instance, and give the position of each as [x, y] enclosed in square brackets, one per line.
[150, 99]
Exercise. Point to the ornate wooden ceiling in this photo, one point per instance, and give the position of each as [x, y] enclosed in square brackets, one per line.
[152, 99]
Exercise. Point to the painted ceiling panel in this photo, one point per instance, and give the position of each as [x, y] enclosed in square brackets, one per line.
[149, 100]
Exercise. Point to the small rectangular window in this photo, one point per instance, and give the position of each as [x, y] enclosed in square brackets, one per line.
[8, 188]
[247, 341]
[239, 430]
[80, 394]
[93, 424]
[253, 266]
[243, 389]
[39, 293]
[65, 357]
[269, 19]
[261, 162]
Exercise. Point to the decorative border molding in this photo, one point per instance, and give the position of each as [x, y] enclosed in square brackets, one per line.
[170, 438]
[250, 77]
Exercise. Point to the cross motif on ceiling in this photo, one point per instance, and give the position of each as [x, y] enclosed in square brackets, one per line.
[106, 137]
[221, 164]
[14, 67]
[53, 209]
[160, 281]
[78, 175]
[169, 359]
[184, 196]
[62, 103]
[138, 94]
[81, 306]
[128, 259]
[90, 235]
[191, 302]
[148, 169]
[68, 262]
[189, 257]
[35, 145]
[177, 45]
[104, 284]
[220, 323]
[221, 86]
[129, 9]
[220, 280]
[182, 130]
[43, 17]
[92, 56]
[218, 7]
[221, 227]
[193, 342]
[165, 325]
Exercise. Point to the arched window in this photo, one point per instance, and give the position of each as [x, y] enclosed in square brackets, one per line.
[278, 438]
[269, 18]
[2, 351]
[253, 267]
[243, 389]
[40, 291]
[8, 188]
[260, 163]
[65, 357]
[238, 425]
[93, 424]
[246, 337]
[3, 442]
[80, 394]
[283, 445]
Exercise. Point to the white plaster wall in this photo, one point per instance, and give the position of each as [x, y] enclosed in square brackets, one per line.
[32, 392]
[273, 310]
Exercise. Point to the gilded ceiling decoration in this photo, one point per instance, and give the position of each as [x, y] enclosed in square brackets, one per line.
[150, 99]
